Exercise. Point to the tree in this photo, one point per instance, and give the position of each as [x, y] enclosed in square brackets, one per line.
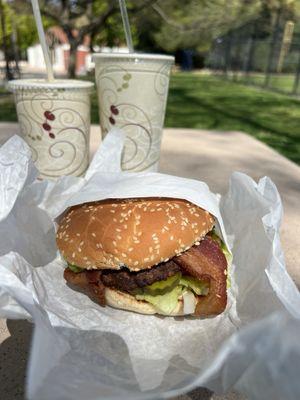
[195, 23]
[79, 18]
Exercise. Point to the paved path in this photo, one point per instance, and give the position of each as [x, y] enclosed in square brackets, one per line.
[206, 155]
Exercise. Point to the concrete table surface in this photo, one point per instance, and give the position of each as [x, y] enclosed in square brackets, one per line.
[205, 155]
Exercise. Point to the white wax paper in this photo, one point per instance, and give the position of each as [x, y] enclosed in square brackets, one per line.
[83, 351]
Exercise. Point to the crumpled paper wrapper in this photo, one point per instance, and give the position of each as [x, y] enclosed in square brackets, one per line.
[81, 350]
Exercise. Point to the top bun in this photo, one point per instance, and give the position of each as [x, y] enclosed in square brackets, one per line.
[136, 233]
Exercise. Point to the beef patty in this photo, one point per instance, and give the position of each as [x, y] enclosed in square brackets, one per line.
[129, 281]
[123, 279]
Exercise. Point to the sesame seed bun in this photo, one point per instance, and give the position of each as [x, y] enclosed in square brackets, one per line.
[138, 233]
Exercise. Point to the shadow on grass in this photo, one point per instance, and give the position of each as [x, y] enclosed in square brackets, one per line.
[212, 104]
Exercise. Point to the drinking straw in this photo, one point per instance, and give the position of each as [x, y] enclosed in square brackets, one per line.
[41, 33]
[126, 25]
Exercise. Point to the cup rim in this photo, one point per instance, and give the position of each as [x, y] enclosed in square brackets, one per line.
[42, 84]
[134, 56]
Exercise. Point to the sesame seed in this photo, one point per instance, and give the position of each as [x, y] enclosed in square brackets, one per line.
[136, 263]
[197, 243]
[150, 249]
[130, 249]
[94, 234]
[114, 243]
[125, 226]
[146, 259]
[124, 255]
[81, 243]
[218, 296]
[85, 258]
[73, 255]
[119, 237]
[171, 237]
[139, 234]
[79, 249]
[118, 229]
[115, 219]
[77, 234]
[86, 210]
[225, 272]
[112, 211]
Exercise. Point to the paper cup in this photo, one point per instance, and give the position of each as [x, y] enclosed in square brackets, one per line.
[132, 94]
[54, 120]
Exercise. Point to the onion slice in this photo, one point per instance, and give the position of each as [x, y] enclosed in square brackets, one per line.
[189, 302]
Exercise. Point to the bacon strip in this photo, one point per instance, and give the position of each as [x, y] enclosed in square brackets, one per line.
[90, 281]
[207, 261]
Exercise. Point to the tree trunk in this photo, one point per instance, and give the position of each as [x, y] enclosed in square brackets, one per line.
[227, 55]
[72, 58]
[249, 64]
[8, 73]
[272, 52]
[297, 78]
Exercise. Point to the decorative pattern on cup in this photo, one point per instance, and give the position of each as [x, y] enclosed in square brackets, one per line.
[143, 129]
[56, 127]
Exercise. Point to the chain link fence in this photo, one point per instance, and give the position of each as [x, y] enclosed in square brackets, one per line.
[267, 56]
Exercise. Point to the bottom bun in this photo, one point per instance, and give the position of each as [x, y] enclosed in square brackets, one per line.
[126, 301]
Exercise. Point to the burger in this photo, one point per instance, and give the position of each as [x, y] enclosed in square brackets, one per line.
[146, 255]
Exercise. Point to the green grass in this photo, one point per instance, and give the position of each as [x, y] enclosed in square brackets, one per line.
[280, 82]
[201, 101]
[207, 102]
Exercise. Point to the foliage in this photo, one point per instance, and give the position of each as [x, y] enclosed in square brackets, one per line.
[194, 23]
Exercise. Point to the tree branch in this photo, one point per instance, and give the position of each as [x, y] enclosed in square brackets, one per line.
[145, 4]
[97, 22]
[168, 20]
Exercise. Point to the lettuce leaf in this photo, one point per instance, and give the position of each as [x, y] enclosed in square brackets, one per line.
[166, 302]
[74, 268]
[198, 287]
[161, 287]
[164, 295]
